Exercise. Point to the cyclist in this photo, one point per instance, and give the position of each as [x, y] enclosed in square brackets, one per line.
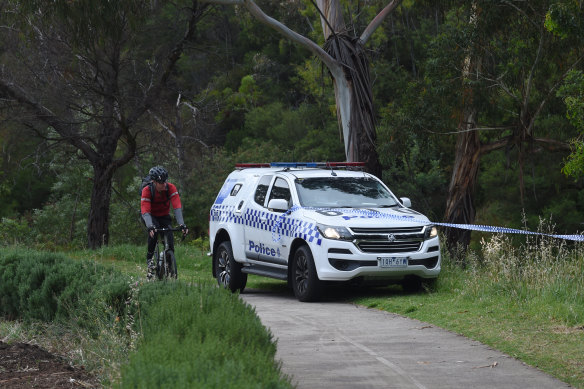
[155, 207]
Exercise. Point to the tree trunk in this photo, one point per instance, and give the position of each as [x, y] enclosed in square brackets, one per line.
[98, 222]
[460, 207]
[354, 96]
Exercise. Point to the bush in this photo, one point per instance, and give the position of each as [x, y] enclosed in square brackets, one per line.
[199, 336]
[177, 334]
[52, 287]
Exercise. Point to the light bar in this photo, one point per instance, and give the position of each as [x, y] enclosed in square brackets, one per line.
[302, 164]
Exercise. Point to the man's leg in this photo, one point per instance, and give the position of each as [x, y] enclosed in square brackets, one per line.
[151, 262]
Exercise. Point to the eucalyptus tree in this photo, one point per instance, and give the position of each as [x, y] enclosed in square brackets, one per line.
[345, 58]
[85, 73]
[511, 71]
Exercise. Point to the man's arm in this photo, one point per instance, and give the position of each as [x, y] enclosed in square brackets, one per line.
[145, 207]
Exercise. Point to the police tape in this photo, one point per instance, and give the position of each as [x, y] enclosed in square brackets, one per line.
[347, 214]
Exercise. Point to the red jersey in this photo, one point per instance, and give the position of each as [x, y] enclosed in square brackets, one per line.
[160, 206]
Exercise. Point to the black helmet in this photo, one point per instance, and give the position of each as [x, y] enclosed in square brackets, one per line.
[158, 174]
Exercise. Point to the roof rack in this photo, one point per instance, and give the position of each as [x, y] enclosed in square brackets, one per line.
[289, 165]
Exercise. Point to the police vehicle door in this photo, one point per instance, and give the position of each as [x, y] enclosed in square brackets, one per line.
[264, 241]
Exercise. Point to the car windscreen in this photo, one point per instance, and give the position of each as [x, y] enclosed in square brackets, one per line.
[332, 192]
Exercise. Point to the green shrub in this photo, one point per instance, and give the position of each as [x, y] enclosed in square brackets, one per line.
[200, 336]
[177, 334]
[52, 287]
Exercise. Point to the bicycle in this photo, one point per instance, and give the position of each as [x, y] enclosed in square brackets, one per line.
[165, 259]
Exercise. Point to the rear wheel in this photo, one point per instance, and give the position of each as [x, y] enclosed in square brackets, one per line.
[227, 270]
[171, 264]
[305, 282]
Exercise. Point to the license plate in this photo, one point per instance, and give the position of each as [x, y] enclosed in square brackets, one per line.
[393, 261]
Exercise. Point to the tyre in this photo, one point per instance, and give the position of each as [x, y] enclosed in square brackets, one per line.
[160, 265]
[305, 282]
[171, 264]
[227, 270]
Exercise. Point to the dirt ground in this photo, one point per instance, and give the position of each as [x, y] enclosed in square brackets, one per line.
[28, 366]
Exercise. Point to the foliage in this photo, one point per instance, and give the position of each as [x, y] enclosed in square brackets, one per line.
[242, 93]
[201, 346]
[175, 334]
[25, 179]
[549, 194]
[51, 287]
[573, 94]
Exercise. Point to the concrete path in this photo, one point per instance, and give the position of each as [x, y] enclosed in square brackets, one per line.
[340, 345]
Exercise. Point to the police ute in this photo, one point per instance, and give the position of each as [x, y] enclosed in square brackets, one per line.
[316, 223]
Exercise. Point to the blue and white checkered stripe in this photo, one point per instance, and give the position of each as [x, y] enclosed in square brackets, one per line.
[267, 221]
[225, 214]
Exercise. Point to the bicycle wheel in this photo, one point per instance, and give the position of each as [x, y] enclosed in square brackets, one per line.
[161, 268]
[171, 264]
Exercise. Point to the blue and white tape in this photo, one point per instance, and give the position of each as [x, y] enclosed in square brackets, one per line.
[365, 213]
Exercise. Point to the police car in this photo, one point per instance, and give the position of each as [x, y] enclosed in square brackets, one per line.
[311, 223]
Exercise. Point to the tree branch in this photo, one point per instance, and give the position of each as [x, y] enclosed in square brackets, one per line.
[67, 130]
[257, 12]
[496, 145]
[377, 21]
[172, 59]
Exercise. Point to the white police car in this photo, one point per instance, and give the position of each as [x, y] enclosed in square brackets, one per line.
[308, 223]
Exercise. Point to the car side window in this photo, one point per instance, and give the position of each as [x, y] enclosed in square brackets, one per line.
[235, 190]
[280, 190]
[262, 190]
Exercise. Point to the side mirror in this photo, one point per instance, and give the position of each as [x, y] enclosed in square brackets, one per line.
[278, 205]
[406, 202]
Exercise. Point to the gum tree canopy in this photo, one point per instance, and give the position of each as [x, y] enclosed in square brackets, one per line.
[345, 58]
[85, 74]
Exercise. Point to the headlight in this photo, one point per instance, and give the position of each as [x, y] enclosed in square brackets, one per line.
[332, 232]
[431, 232]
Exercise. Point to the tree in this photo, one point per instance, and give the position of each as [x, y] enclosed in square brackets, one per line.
[511, 81]
[345, 58]
[85, 74]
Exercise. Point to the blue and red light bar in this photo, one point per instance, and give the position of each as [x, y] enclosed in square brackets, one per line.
[302, 164]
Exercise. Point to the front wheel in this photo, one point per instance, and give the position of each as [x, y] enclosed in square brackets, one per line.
[227, 270]
[161, 266]
[171, 264]
[305, 282]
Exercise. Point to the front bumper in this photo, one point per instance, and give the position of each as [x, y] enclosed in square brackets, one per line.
[343, 261]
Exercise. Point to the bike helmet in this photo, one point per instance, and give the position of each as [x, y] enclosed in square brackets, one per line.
[158, 174]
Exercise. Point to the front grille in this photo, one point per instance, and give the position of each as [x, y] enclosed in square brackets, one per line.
[388, 239]
[388, 247]
[388, 230]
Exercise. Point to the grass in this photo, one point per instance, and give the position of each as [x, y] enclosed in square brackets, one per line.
[185, 333]
[525, 300]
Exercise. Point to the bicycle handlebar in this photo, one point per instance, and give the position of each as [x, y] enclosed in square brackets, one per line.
[164, 229]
